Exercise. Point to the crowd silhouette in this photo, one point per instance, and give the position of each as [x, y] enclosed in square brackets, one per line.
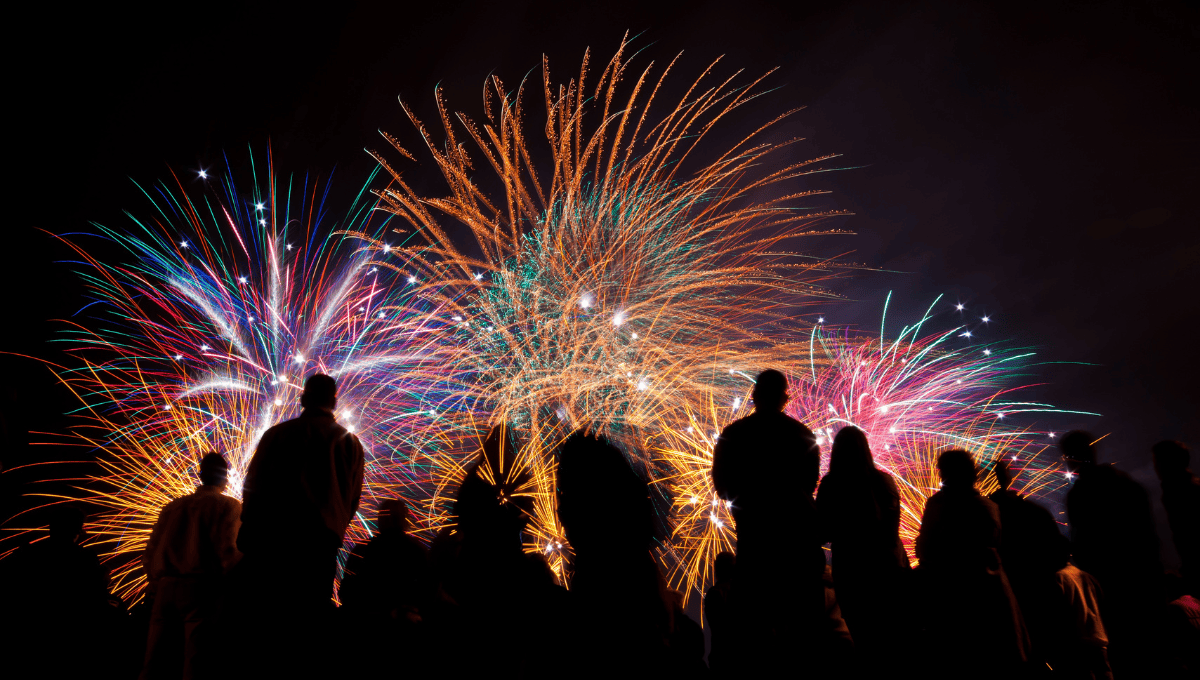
[245, 589]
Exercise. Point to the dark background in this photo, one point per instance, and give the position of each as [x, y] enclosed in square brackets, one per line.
[1036, 162]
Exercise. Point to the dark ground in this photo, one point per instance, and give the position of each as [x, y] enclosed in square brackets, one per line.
[1036, 162]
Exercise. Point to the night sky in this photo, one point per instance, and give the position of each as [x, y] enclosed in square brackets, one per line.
[1037, 163]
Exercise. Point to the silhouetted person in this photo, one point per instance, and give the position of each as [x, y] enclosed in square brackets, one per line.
[686, 640]
[72, 572]
[1181, 499]
[718, 611]
[1113, 539]
[192, 547]
[859, 507]
[1181, 630]
[1033, 552]
[621, 613]
[972, 612]
[547, 605]
[387, 591]
[1030, 545]
[59, 604]
[832, 637]
[491, 512]
[1031, 542]
[503, 597]
[767, 507]
[301, 490]
[389, 577]
[1074, 642]
[767, 465]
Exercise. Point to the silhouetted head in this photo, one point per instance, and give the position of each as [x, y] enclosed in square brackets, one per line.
[393, 516]
[320, 392]
[603, 505]
[724, 566]
[66, 524]
[488, 512]
[214, 471]
[494, 501]
[851, 454]
[770, 392]
[1004, 475]
[957, 469]
[1171, 459]
[1077, 449]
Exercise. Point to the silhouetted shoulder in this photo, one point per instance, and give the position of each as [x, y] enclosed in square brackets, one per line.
[1105, 484]
[787, 426]
[959, 500]
[757, 422]
[274, 431]
[225, 503]
[887, 482]
[173, 506]
[800, 429]
[935, 502]
[990, 506]
[1107, 475]
[339, 433]
[349, 436]
[739, 428]
[969, 498]
[796, 424]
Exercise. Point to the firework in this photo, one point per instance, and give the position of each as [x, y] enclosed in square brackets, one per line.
[205, 339]
[622, 286]
[608, 286]
[914, 395]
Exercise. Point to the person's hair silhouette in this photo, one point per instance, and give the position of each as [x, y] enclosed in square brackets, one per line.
[850, 454]
[957, 468]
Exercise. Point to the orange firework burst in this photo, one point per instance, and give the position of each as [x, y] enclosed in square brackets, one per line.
[610, 285]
